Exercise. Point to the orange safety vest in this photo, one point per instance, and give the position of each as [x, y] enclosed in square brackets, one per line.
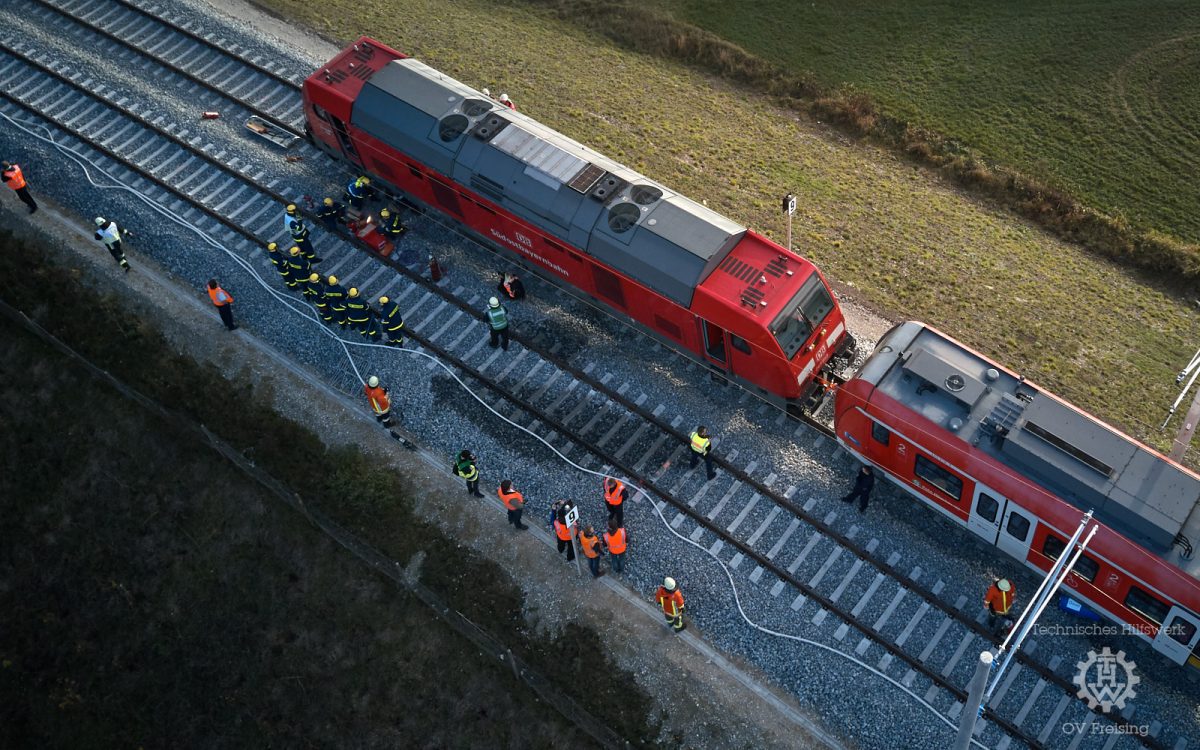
[671, 602]
[562, 531]
[14, 178]
[513, 500]
[220, 297]
[589, 544]
[1000, 600]
[378, 398]
[616, 542]
[612, 493]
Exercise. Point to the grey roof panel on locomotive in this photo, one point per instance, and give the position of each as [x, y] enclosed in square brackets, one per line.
[618, 216]
[1133, 489]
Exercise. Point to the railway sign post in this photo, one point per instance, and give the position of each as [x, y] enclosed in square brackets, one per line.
[789, 208]
[572, 518]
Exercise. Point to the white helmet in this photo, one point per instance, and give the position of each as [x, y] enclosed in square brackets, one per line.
[373, 381]
[669, 583]
[504, 97]
[493, 302]
[486, 92]
[99, 221]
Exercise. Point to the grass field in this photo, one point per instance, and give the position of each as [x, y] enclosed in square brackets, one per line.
[1095, 96]
[890, 233]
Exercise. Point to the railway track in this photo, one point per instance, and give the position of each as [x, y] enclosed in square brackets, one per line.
[877, 609]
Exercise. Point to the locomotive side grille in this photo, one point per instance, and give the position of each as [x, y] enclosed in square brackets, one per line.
[776, 267]
[336, 76]
[668, 327]
[363, 72]
[739, 269]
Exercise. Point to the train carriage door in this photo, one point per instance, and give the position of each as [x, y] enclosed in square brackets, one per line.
[344, 139]
[1016, 533]
[714, 345]
[987, 511]
[1179, 637]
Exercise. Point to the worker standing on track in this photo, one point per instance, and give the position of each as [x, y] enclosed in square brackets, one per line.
[381, 404]
[358, 192]
[330, 214]
[393, 228]
[589, 542]
[562, 532]
[670, 599]
[616, 540]
[291, 216]
[701, 445]
[497, 318]
[299, 268]
[314, 290]
[864, 482]
[393, 321]
[15, 179]
[110, 234]
[999, 600]
[301, 240]
[514, 503]
[335, 296]
[372, 330]
[223, 301]
[357, 312]
[615, 496]
[464, 466]
[279, 260]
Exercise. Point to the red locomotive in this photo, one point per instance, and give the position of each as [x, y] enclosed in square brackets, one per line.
[1018, 467]
[726, 296]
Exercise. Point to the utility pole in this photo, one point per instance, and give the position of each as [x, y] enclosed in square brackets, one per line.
[789, 208]
[968, 717]
[1183, 438]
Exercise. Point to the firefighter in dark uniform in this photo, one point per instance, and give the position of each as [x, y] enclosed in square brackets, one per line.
[373, 331]
[280, 262]
[330, 213]
[301, 240]
[357, 311]
[864, 482]
[335, 297]
[390, 224]
[359, 191]
[314, 290]
[299, 266]
[393, 321]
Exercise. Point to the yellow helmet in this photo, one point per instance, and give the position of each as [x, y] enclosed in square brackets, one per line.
[353, 291]
[272, 247]
[295, 250]
[385, 213]
[366, 180]
[314, 277]
[329, 201]
[291, 209]
[333, 279]
[383, 300]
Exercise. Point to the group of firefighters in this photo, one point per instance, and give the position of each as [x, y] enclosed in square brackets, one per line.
[349, 308]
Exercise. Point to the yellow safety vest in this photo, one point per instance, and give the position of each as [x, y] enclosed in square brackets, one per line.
[700, 444]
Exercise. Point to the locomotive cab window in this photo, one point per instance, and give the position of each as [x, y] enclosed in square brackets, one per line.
[802, 315]
[1085, 567]
[740, 344]
[1146, 605]
[938, 477]
[881, 434]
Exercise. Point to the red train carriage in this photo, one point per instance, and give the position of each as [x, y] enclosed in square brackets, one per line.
[1018, 466]
[726, 296]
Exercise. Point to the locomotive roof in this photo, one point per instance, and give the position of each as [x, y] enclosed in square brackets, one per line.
[642, 229]
[1132, 488]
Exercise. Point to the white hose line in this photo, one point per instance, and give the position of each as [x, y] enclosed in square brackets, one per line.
[308, 313]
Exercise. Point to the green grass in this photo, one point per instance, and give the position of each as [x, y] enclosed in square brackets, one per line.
[890, 233]
[1096, 97]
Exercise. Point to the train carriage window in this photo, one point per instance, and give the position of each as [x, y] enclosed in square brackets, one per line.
[1182, 630]
[987, 507]
[740, 344]
[1085, 567]
[882, 435]
[1146, 605]
[1017, 526]
[939, 477]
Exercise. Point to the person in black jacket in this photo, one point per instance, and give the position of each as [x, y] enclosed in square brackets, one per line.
[864, 482]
